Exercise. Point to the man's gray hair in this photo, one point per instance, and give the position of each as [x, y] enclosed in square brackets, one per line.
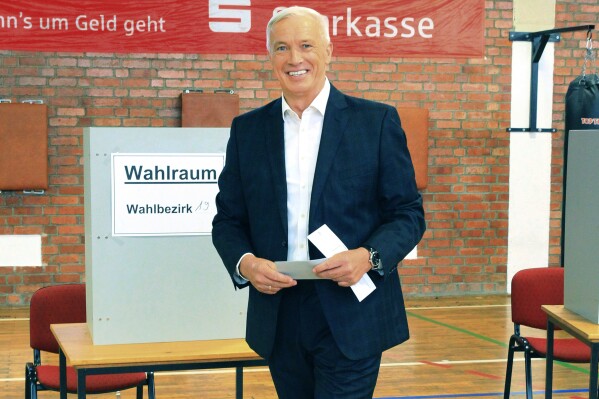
[295, 11]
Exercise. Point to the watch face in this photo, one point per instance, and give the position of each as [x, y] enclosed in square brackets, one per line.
[377, 264]
[375, 260]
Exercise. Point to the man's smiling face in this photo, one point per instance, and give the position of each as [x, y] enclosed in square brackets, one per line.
[299, 55]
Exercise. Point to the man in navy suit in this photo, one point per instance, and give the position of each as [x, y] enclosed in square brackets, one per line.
[316, 157]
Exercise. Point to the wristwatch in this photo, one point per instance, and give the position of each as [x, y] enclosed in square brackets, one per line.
[375, 259]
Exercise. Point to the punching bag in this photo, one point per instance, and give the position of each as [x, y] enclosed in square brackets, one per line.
[582, 97]
[582, 103]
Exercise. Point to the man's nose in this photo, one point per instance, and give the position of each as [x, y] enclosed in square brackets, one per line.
[295, 56]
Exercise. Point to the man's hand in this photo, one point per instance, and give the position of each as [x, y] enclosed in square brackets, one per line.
[263, 275]
[346, 268]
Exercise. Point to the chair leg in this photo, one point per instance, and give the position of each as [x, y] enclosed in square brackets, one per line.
[593, 371]
[27, 383]
[30, 382]
[528, 373]
[508, 369]
[140, 391]
[152, 386]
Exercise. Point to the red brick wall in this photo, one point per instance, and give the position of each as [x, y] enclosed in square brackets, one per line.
[465, 248]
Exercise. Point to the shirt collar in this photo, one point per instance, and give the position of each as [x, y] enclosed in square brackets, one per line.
[320, 102]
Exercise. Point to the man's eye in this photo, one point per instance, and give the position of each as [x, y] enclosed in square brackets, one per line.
[306, 45]
[281, 48]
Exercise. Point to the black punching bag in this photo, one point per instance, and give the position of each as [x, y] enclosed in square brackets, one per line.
[582, 103]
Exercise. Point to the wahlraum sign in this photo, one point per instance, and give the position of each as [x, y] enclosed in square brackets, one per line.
[164, 194]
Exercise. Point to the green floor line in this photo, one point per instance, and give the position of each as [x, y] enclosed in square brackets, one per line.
[484, 338]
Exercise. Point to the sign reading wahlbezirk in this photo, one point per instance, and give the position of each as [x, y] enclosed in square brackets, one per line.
[390, 28]
[164, 194]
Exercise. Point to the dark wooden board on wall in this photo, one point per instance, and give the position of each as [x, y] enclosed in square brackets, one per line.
[23, 146]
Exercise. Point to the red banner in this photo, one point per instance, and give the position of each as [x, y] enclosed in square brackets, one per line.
[390, 28]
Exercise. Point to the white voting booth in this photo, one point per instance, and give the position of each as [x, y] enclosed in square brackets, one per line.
[581, 231]
[152, 273]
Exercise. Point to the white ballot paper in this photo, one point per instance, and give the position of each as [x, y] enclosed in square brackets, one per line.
[300, 269]
[329, 244]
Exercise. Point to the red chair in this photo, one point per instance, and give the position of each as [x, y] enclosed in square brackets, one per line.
[66, 304]
[532, 288]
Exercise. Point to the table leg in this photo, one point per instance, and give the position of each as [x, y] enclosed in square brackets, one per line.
[239, 382]
[549, 361]
[81, 383]
[62, 370]
[593, 371]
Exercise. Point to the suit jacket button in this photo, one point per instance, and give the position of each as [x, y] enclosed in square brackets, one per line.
[284, 243]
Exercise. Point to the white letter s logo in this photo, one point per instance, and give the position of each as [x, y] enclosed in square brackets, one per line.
[239, 20]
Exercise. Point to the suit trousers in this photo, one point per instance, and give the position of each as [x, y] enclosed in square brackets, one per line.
[306, 363]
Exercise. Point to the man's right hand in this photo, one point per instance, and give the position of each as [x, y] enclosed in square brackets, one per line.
[263, 275]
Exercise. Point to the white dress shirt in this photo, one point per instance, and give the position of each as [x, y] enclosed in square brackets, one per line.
[302, 141]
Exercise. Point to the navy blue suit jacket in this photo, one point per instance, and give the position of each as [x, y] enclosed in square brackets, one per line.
[364, 190]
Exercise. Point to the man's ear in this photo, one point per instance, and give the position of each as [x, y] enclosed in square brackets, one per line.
[329, 53]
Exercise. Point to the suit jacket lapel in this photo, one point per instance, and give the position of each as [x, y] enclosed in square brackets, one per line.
[333, 129]
[275, 141]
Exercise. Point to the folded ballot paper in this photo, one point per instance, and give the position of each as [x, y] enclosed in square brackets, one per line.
[299, 269]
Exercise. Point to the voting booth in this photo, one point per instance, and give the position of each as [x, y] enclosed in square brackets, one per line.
[581, 227]
[152, 273]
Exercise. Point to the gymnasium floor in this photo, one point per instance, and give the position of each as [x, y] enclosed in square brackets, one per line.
[457, 349]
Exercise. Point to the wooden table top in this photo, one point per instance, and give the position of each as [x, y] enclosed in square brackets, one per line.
[580, 327]
[76, 343]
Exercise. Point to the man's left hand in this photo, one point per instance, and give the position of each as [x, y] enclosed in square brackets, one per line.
[345, 268]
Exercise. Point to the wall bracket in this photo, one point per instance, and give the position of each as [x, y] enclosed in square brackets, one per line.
[539, 40]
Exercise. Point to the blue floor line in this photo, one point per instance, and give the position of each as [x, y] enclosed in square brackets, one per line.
[473, 395]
